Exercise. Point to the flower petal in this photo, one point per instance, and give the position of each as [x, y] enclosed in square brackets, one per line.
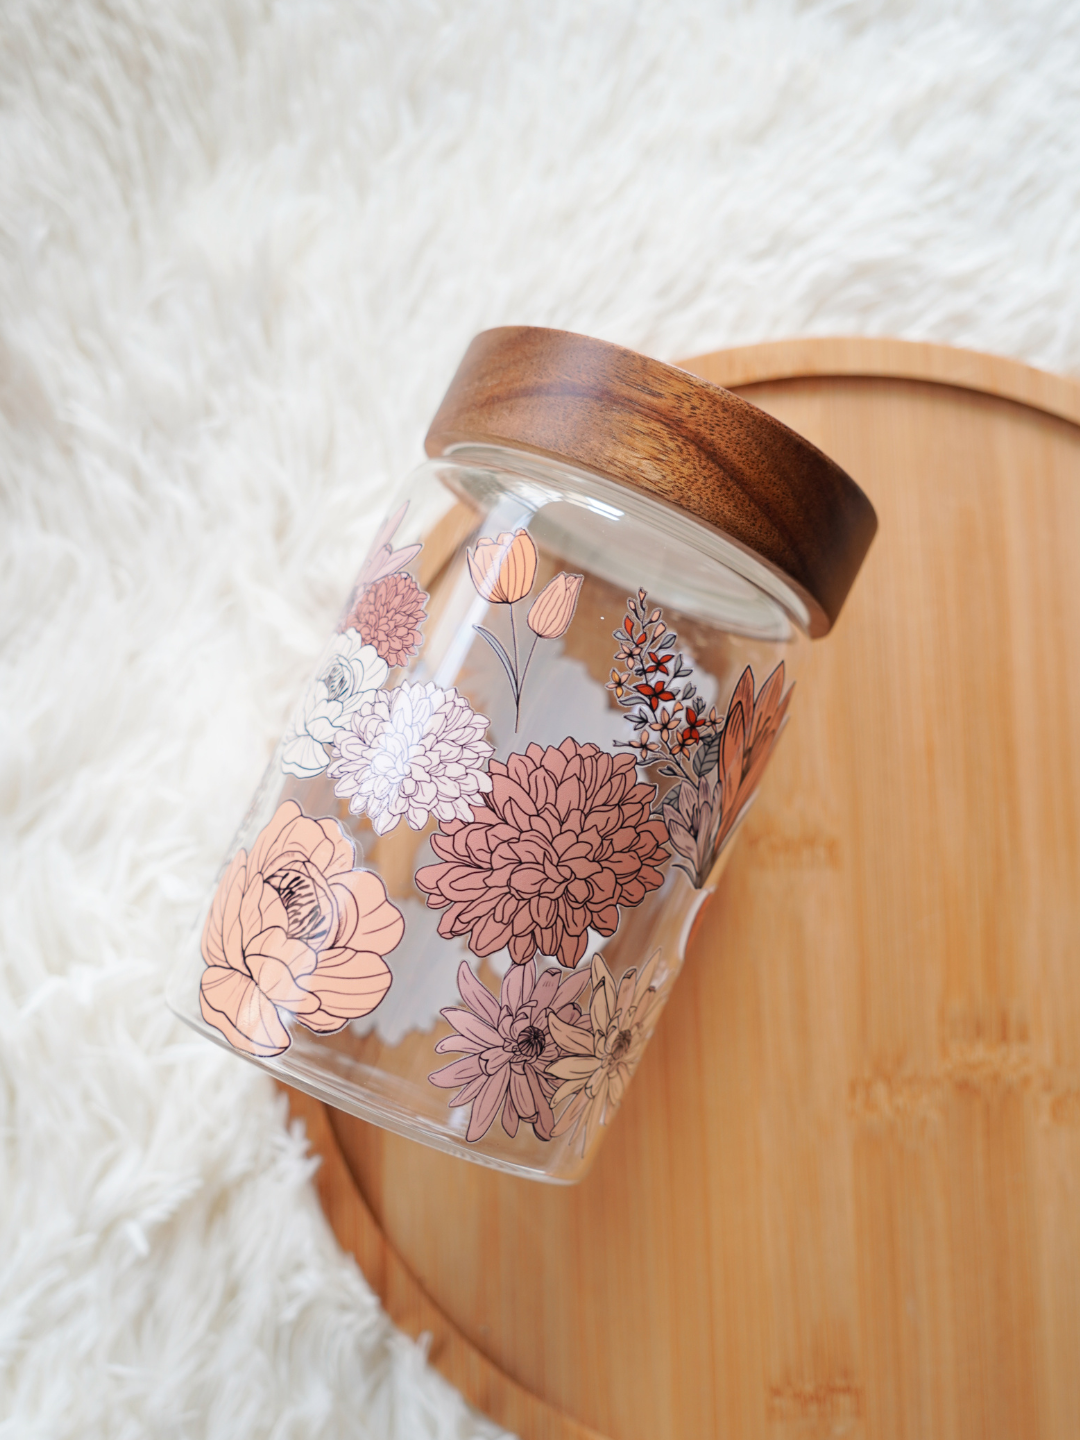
[487, 1103]
[458, 1072]
[575, 1067]
[472, 1027]
[573, 1039]
[476, 994]
[347, 985]
[233, 1004]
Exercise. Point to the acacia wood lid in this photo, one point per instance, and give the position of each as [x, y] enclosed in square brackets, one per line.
[667, 433]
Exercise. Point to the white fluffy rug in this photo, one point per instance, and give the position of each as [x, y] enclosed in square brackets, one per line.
[242, 245]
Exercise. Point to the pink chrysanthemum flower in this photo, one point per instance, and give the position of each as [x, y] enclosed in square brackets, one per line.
[562, 841]
[508, 1047]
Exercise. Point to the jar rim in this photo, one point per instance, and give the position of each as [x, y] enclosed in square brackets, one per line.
[677, 522]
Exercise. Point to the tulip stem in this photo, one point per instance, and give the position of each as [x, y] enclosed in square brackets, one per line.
[521, 685]
[513, 636]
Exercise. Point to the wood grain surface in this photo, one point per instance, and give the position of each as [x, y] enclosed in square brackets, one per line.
[657, 428]
[843, 1197]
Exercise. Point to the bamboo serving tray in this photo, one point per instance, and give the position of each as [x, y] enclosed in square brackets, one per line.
[843, 1197]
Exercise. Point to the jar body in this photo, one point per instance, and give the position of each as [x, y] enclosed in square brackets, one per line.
[463, 892]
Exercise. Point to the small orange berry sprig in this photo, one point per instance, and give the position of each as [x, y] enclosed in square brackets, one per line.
[673, 729]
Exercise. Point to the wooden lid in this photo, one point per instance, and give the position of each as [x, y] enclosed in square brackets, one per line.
[667, 433]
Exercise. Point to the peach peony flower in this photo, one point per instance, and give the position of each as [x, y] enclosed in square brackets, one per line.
[553, 609]
[503, 570]
[295, 931]
[600, 1057]
[563, 840]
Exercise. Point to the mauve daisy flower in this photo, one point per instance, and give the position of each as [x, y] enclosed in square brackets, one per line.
[508, 1047]
[564, 839]
[416, 751]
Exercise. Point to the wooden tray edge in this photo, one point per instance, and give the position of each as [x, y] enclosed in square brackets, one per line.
[406, 1301]
[874, 358]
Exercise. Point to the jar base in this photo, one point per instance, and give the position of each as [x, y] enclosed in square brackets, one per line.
[312, 1078]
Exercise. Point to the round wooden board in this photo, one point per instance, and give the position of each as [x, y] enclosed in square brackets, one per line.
[843, 1197]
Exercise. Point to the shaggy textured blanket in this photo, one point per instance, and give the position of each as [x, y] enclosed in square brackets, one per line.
[242, 246]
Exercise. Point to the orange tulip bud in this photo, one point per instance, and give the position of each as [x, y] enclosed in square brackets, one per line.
[554, 607]
[503, 570]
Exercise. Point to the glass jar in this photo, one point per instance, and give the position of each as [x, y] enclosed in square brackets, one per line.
[463, 892]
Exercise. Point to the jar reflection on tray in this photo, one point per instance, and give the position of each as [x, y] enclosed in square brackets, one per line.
[463, 893]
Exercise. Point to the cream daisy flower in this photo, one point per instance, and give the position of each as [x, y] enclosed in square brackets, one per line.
[599, 1059]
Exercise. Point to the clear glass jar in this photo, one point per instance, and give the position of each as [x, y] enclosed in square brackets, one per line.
[464, 889]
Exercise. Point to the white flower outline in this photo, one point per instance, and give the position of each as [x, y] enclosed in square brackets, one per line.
[413, 752]
[349, 674]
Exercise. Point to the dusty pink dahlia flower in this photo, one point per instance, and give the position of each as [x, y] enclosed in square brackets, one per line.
[295, 931]
[508, 1047]
[388, 615]
[564, 838]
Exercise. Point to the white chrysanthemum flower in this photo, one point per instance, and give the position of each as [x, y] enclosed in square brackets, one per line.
[415, 751]
[352, 671]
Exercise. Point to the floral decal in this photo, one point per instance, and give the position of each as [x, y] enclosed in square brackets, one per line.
[412, 752]
[530, 855]
[509, 1047]
[601, 1055]
[700, 825]
[717, 763]
[381, 629]
[503, 571]
[563, 840]
[669, 719]
[353, 671]
[551, 612]
[388, 614]
[382, 559]
[295, 932]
